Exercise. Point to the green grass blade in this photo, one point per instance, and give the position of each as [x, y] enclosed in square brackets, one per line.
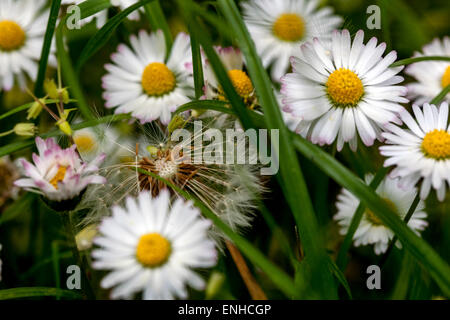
[295, 187]
[33, 292]
[90, 7]
[418, 59]
[197, 66]
[46, 47]
[422, 251]
[158, 22]
[104, 34]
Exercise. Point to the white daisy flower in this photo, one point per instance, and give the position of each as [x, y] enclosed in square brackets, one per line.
[142, 82]
[59, 174]
[279, 27]
[22, 28]
[422, 151]
[371, 229]
[152, 248]
[349, 89]
[432, 76]
[102, 16]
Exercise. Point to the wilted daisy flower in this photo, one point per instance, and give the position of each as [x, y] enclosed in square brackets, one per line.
[422, 151]
[102, 16]
[143, 82]
[58, 174]
[279, 27]
[152, 247]
[22, 29]
[432, 76]
[350, 89]
[371, 230]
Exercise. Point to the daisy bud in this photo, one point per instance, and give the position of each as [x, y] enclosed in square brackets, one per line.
[25, 129]
[214, 284]
[85, 237]
[64, 126]
[35, 110]
[51, 89]
[176, 123]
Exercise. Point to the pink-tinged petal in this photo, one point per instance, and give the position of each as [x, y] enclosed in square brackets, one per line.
[95, 180]
[30, 170]
[25, 183]
[95, 164]
[41, 145]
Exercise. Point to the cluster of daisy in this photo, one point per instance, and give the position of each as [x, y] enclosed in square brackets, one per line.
[333, 90]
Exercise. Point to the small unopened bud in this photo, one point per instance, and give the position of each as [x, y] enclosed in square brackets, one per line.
[214, 285]
[51, 89]
[56, 93]
[64, 126]
[64, 95]
[177, 122]
[85, 237]
[25, 129]
[35, 110]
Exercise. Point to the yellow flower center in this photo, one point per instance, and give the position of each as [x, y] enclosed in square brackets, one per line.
[12, 36]
[153, 250]
[445, 81]
[85, 143]
[289, 27]
[373, 219]
[241, 82]
[59, 176]
[344, 87]
[157, 79]
[436, 144]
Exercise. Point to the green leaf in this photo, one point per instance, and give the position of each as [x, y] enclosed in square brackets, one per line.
[46, 47]
[18, 207]
[104, 34]
[294, 184]
[159, 22]
[30, 292]
[423, 252]
[277, 275]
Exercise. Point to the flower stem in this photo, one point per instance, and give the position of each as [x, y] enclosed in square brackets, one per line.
[67, 222]
[253, 287]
